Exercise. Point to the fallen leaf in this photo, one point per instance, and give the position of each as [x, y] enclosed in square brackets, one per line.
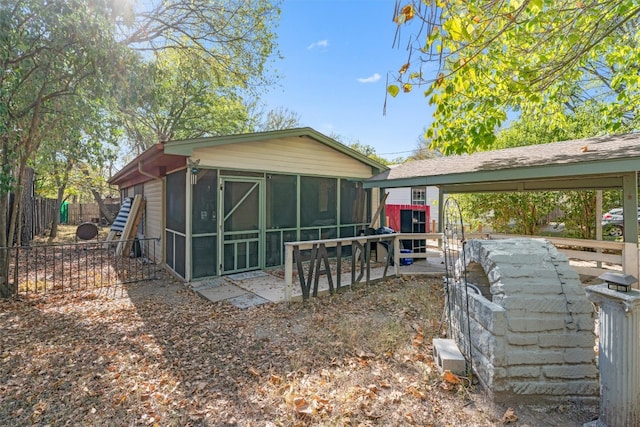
[413, 390]
[450, 377]
[509, 416]
[302, 406]
[364, 355]
[275, 379]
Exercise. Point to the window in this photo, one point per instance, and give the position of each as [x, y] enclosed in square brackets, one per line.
[318, 201]
[204, 209]
[176, 201]
[281, 201]
[419, 196]
[353, 202]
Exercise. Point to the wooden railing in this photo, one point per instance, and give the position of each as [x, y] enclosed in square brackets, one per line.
[316, 262]
[590, 257]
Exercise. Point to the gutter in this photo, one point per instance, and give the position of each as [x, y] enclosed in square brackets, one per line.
[147, 174]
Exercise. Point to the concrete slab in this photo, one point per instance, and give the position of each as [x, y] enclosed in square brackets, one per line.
[268, 287]
[247, 275]
[271, 288]
[247, 300]
[221, 292]
[209, 283]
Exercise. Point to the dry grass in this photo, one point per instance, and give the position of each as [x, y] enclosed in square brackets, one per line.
[156, 354]
[67, 234]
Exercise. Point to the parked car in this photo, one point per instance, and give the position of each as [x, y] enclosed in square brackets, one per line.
[613, 222]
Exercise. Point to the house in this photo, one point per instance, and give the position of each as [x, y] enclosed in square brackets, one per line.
[412, 209]
[226, 204]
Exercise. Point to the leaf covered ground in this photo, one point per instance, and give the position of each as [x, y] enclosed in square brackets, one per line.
[154, 353]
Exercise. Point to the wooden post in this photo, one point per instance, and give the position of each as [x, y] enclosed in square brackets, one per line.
[288, 271]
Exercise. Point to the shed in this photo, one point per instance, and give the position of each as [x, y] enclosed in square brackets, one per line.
[227, 204]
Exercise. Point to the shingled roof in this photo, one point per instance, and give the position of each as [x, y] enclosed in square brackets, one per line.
[589, 163]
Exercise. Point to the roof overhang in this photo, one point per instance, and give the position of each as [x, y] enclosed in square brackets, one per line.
[153, 163]
[186, 147]
[594, 163]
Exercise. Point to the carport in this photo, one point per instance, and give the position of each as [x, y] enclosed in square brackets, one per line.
[599, 163]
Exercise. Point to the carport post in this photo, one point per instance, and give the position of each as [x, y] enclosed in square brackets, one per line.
[630, 209]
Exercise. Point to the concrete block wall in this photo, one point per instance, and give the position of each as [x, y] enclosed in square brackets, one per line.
[532, 334]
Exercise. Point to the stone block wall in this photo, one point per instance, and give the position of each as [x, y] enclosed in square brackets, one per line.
[530, 329]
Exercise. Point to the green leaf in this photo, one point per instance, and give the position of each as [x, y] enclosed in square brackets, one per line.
[393, 90]
[456, 28]
[535, 6]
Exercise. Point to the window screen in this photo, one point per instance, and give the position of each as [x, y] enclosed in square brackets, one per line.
[281, 201]
[318, 201]
[353, 202]
[204, 256]
[205, 195]
[176, 201]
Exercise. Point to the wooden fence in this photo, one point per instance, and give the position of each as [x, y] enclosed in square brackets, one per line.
[38, 214]
[77, 213]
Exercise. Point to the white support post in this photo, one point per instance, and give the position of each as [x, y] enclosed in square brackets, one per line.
[288, 271]
[396, 256]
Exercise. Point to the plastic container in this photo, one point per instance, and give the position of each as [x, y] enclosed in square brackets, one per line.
[406, 261]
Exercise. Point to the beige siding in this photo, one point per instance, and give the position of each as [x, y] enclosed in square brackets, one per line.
[153, 194]
[293, 155]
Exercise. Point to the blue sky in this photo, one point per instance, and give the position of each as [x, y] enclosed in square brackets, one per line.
[337, 55]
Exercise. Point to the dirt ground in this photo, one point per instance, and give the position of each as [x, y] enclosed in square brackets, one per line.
[154, 353]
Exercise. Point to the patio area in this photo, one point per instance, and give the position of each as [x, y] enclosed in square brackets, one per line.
[253, 288]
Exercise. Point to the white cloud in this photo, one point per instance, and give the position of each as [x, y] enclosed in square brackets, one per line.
[320, 44]
[371, 79]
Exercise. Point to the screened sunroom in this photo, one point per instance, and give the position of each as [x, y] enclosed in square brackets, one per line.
[240, 220]
[243, 197]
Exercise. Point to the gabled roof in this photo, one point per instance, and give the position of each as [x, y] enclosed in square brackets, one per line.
[591, 163]
[151, 163]
[186, 147]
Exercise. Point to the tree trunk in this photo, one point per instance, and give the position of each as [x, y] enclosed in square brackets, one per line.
[56, 218]
[98, 198]
[25, 223]
[7, 290]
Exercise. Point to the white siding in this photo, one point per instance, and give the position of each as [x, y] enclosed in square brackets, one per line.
[153, 194]
[398, 196]
[432, 200]
[293, 155]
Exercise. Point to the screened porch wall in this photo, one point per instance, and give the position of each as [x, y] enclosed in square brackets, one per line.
[204, 224]
[176, 224]
[296, 207]
[317, 215]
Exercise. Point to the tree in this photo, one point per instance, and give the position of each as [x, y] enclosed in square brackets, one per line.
[424, 150]
[179, 95]
[524, 212]
[482, 61]
[368, 151]
[49, 54]
[204, 56]
[63, 49]
[278, 119]
[90, 143]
